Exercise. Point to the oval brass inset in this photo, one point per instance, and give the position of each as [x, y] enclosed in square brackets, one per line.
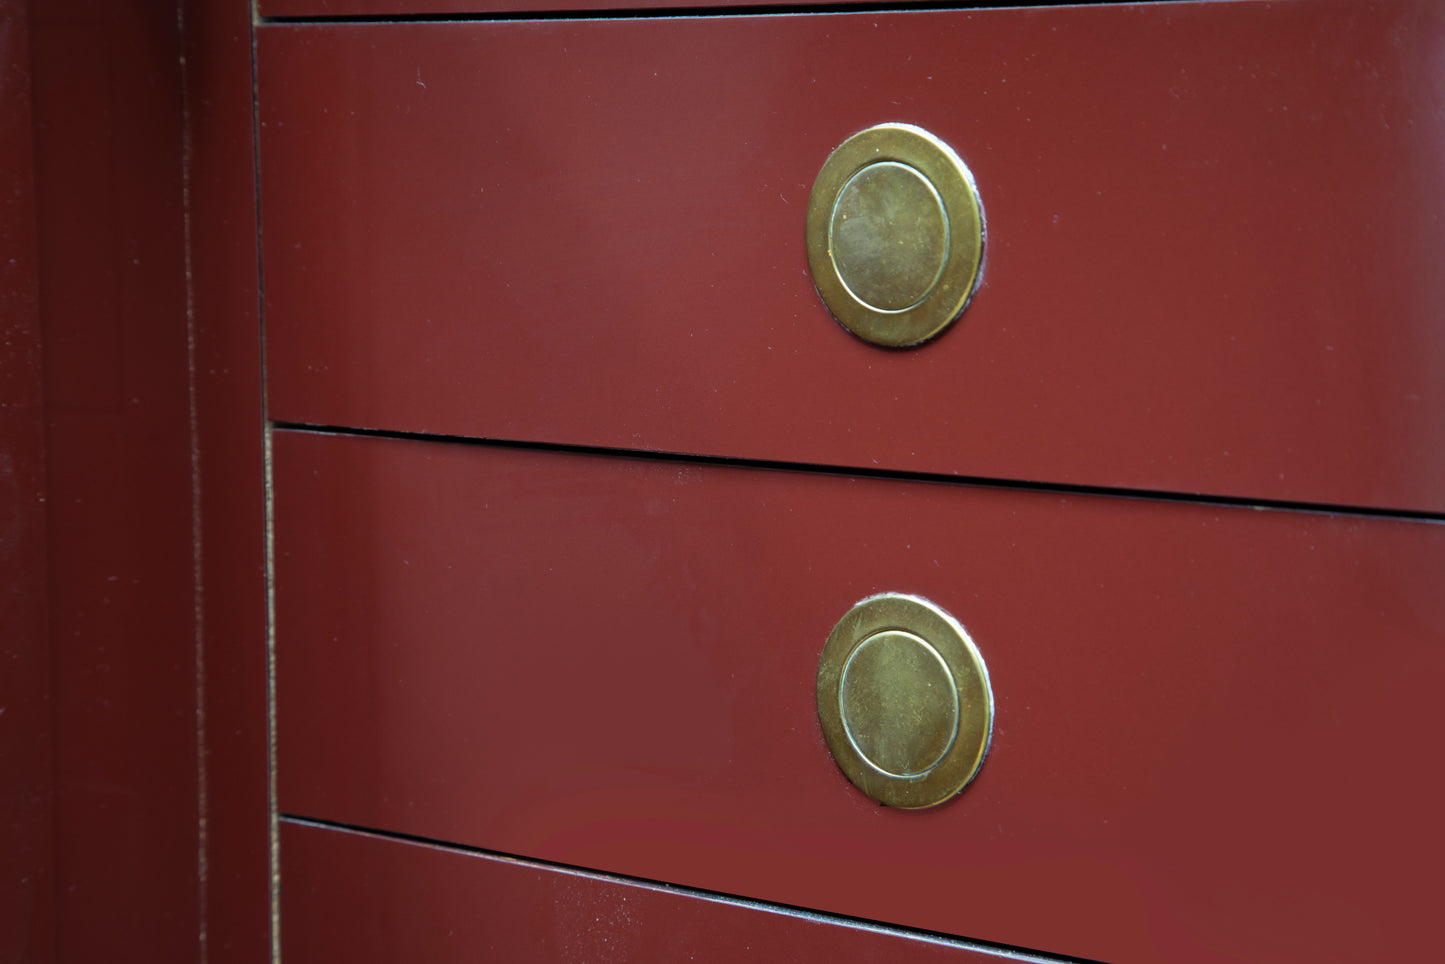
[889, 236]
[904, 701]
[894, 235]
[901, 671]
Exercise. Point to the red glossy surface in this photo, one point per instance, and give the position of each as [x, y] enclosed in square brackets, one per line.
[1213, 732]
[120, 603]
[27, 899]
[230, 469]
[356, 897]
[306, 9]
[1213, 238]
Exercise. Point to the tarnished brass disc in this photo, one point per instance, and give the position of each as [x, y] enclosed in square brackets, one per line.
[894, 235]
[904, 700]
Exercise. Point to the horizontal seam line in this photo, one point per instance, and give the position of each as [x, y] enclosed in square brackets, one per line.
[700, 12]
[897, 475]
[825, 917]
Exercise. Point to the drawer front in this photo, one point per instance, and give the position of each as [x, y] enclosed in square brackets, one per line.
[1213, 234]
[407, 902]
[1211, 732]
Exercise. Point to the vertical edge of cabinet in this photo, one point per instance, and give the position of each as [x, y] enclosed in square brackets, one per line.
[230, 476]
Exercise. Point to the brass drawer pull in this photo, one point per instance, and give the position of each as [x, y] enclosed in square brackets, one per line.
[904, 700]
[894, 235]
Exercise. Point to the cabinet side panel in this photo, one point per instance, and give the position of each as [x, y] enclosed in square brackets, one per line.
[26, 790]
[107, 101]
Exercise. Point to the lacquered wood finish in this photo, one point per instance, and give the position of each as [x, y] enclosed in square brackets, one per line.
[1213, 231]
[121, 593]
[230, 474]
[1213, 725]
[27, 774]
[385, 9]
[361, 898]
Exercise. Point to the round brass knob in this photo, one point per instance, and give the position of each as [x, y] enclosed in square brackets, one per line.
[894, 235]
[904, 701]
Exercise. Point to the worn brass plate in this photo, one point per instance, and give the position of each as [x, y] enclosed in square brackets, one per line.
[894, 235]
[904, 700]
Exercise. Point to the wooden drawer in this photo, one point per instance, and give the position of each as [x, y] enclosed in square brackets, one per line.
[1210, 723]
[362, 898]
[1213, 233]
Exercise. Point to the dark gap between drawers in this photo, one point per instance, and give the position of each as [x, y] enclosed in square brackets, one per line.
[659, 13]
[1004, 950]
[1223, 501]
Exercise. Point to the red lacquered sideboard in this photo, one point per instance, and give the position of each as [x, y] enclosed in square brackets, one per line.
[479, 476]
